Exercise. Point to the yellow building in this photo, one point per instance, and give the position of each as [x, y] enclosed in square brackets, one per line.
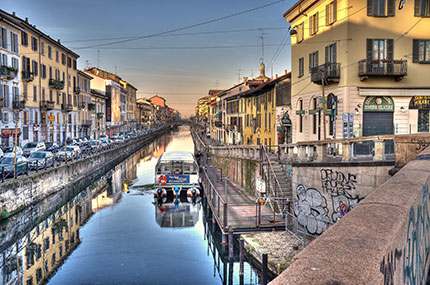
[370, 60]
[84, 98]
[48, 84]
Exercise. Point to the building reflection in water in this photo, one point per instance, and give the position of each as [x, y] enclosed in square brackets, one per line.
[177, 215]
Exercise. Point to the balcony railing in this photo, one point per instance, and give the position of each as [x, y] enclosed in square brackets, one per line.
[218, 124]
[56, 84]
[46, 105]
[27, 76]
[100, 115]
[66, 107]
[8, 72]
[18, 104]
[76, 90]
[330, 70]
[82, 105]
[383, 68]
[91, 106]
[87, 123]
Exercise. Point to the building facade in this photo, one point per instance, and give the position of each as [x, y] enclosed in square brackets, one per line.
[368, 60]
[84, 99]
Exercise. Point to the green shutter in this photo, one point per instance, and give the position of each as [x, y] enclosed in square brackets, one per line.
[316, 22]
[390, 49]
[334, 10]
[369, 47]
[417, 8]
[391, 8]
[326, 54]
[415, 51]
[327, 9]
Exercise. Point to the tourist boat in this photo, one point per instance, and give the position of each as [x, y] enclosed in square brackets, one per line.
[177, 178]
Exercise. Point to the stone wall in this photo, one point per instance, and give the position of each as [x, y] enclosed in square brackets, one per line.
[16, 194]
[384, 240]
[324, 192]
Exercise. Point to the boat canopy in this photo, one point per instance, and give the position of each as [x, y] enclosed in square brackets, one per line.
[177, 156]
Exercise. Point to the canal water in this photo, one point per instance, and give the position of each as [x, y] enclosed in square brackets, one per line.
[112, 233]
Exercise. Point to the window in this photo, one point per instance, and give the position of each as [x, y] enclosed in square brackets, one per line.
[74, 64]
[35, 67]
[50, 96]
[313, 24]
[49, 52]
[33, 43]
[43, 94]
[15, 63]
[379, 49]
[69, 62]
[421, 51]
[301, 116]
[314, 117]
[24, 91]
[380, 8]
[422, 8]
[50, 72]
[300, 32]
[301, 66]
[331, 13]
[313, 60]
[3, 38]
[3, 59]
[330, 53]
[34, 93]
[24, 38]
[56, 56]
[43, 71]
[58, 97]
[14, 42]
[63, 58]
[25, 63]
[42, 48]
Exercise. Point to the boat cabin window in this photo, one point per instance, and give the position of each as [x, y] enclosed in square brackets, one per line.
[190, 168]
[165, 168]
[177, 167]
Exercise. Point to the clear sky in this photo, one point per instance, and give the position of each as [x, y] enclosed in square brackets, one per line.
[166, 64]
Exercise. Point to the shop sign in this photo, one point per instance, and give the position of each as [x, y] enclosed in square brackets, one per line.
[300, 112]
[420, 102]
[313, 112]
[51, 118]
[286, 119]
[10, 132]
[378, 104]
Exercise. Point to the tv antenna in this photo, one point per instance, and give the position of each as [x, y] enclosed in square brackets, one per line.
[261, 37]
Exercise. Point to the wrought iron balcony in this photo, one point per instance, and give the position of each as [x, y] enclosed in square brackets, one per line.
[331, 72]
[86, 123]
[100, 115]
[218, 124]
[91, 106]
[382, 68]
[8, 72]
[18, 104]
[56, 84]
[66, 107]
[76, 90]
[46, 105]
[27, 76]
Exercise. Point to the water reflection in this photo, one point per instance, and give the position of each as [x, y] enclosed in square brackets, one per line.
[111, 232]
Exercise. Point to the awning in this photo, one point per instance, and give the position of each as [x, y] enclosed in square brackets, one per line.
[217, 114]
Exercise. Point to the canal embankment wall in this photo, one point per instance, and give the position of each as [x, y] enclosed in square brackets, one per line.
[385, 239]
[16, 194]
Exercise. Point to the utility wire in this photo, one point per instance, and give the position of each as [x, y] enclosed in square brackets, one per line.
[185, 27]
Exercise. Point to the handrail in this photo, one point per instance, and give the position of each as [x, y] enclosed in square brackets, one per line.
[211, 184]
[271, 168]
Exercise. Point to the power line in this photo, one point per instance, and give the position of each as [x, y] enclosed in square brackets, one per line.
[185, 47]
[186, 27]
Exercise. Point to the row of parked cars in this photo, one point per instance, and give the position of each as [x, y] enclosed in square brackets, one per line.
[40, 155]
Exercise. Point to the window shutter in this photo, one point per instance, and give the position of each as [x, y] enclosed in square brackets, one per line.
[390, 49]
[316, 23]
[369, 49]
[334, 52]
[326, 54]
[327, 12]
[415, 51]
[310, 62]
[417, 8]
[310, 25]
[369, 7]
[316, 59]
[391, 8]
[334, 10]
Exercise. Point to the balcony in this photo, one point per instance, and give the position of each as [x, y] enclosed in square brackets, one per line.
[382, 68]
[66, 107]
[82, 105]
[86, 123]
[27, 76]
[218, 124]
[46, 105]
[8, 72]
[76, 90]
[18, 105]
[91, 106]
[56, 84]
[100, 115]
[330, 70]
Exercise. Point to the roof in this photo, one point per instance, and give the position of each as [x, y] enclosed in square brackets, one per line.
[264, 85]
[177, 155]
[81, 73]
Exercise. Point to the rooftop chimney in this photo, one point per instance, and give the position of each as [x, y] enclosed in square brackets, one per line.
[245, 79]
[13, 14]
[59, 41]
[26, 19]
[276, 76]
[286, 72]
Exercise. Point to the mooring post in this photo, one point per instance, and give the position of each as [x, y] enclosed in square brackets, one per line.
[264, 270]
[230, 243]
[241, 260]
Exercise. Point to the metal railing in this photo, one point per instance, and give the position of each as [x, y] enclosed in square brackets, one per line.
[216, 201]
[330, 70]
[56, 84]
[394, 68]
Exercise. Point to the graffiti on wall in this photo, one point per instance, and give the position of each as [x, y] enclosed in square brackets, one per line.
[311, 211]
[389, 265]
[341, 188]
[417, 241]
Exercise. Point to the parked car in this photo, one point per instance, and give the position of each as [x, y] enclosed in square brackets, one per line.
[40, 159]
[7, 165]
[69, 152]
[10, 151]
[52, 147]
[76, 150]
[1, 153]
[32, 147]
[119, 139]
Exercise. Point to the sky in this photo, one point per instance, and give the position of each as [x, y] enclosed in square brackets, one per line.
[180, 66]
